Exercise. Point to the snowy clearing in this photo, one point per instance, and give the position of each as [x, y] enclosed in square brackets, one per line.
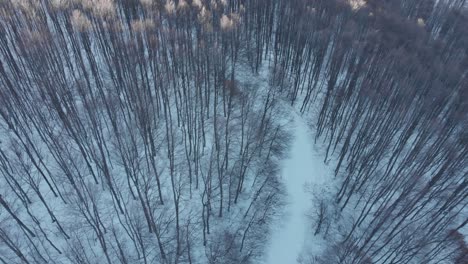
[303, 168]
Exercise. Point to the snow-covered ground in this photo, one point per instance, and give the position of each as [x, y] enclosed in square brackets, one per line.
[292, 234]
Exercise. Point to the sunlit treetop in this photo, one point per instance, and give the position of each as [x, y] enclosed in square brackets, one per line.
[80, 21]
[100, 8]
[357, 4]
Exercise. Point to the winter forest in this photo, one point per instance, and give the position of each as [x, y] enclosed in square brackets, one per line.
[234, 131]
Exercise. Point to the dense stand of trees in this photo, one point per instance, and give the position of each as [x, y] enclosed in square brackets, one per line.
[131, 134]
[389, 82]
[126, 136]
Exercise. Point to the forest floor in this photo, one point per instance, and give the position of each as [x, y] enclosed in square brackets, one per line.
[292, 235]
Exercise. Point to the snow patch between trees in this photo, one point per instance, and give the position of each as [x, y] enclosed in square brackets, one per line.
[292, 235]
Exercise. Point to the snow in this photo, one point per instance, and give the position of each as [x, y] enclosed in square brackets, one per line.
[304, 167]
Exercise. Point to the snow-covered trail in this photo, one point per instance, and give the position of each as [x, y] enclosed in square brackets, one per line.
[302, 167]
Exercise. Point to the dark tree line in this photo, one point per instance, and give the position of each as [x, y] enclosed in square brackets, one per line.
[131, 131]
[386, 84]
